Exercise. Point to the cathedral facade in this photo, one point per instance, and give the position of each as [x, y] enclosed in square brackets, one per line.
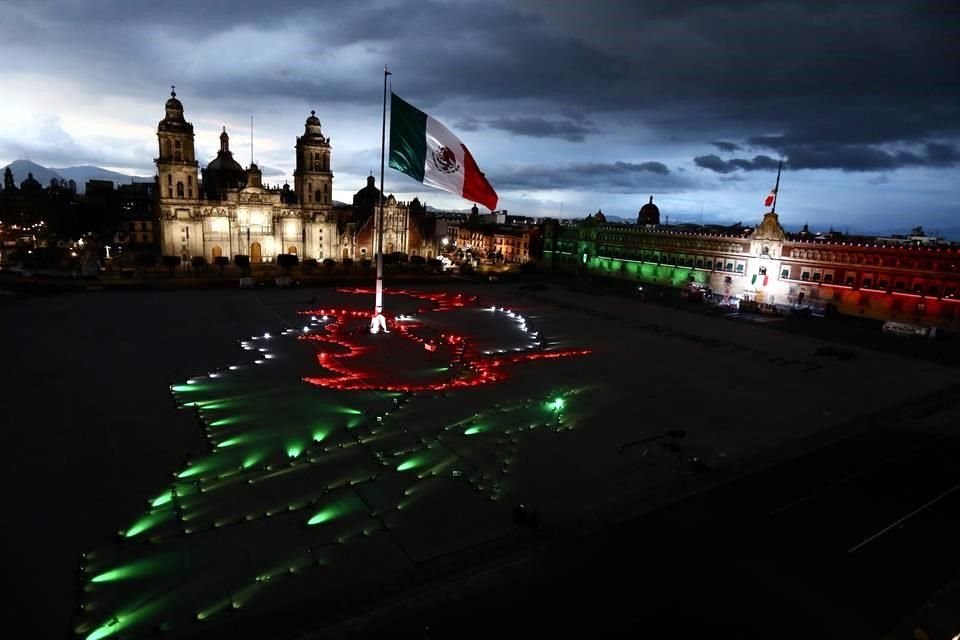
[230, 212]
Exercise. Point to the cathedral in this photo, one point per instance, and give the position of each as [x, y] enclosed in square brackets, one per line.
[225, 210]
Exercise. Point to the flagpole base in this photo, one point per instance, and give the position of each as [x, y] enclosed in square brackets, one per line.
[378, 324]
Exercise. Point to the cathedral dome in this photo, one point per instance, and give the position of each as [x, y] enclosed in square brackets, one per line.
[649, 213]
[224, 162]
[223, 172]
[30, 183]
[313, 120]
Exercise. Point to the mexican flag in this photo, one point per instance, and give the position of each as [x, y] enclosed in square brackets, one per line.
[426, 151]
[771, 197]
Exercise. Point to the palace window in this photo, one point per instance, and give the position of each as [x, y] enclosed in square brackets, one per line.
[816, 276]
[740, 267]
[179, 189]
[867, 283]
[805, 275]
[900, 285]
[828, 277]
[850, 279]
[708, 264]
[729, 267]
[699, 263]
[883, 284]
[933, 290]
[785, 273]
[918, 288]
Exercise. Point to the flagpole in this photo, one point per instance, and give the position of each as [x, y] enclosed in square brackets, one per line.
[776, 188]
[378, 305]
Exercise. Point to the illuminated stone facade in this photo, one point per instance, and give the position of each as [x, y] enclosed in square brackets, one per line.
[231, 213]
[766, 265]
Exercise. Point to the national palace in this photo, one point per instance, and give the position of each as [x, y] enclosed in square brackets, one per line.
[906, 281]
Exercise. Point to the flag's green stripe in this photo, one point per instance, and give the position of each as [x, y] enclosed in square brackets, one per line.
[408, 138]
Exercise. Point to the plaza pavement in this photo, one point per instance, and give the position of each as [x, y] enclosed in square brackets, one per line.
[93, 433]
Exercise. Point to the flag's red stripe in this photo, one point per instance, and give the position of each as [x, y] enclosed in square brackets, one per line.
[475, 185]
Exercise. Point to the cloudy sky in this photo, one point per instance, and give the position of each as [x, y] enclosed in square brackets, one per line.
[567, 106]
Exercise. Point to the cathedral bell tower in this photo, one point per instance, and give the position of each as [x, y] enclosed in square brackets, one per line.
[177, 163]
[313, 180]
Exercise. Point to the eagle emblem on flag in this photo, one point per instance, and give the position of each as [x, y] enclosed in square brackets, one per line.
[445, 160]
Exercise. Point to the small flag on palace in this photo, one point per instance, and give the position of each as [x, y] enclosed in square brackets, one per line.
[770, 197]
[426, 151]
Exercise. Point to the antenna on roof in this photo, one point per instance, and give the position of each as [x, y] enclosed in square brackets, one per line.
[251, 140]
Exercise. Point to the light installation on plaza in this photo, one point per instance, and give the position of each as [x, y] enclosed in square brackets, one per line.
[305, 473]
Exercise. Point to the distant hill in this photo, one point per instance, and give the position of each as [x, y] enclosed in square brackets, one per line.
[21, 168]
[80, 174]
[89, 172]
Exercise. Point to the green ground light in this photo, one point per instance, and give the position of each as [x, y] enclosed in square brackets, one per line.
[247, 486]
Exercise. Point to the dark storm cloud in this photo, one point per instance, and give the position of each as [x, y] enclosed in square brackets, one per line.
[715, 163]
[837, 156]
[878, 72]
[537, 127]
[826, 85]
[726, 146]
[437, 50]
[762, 65]
[571, 130]
[608, 177]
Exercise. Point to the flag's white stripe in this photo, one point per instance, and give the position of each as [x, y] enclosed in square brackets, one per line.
[439, 136]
